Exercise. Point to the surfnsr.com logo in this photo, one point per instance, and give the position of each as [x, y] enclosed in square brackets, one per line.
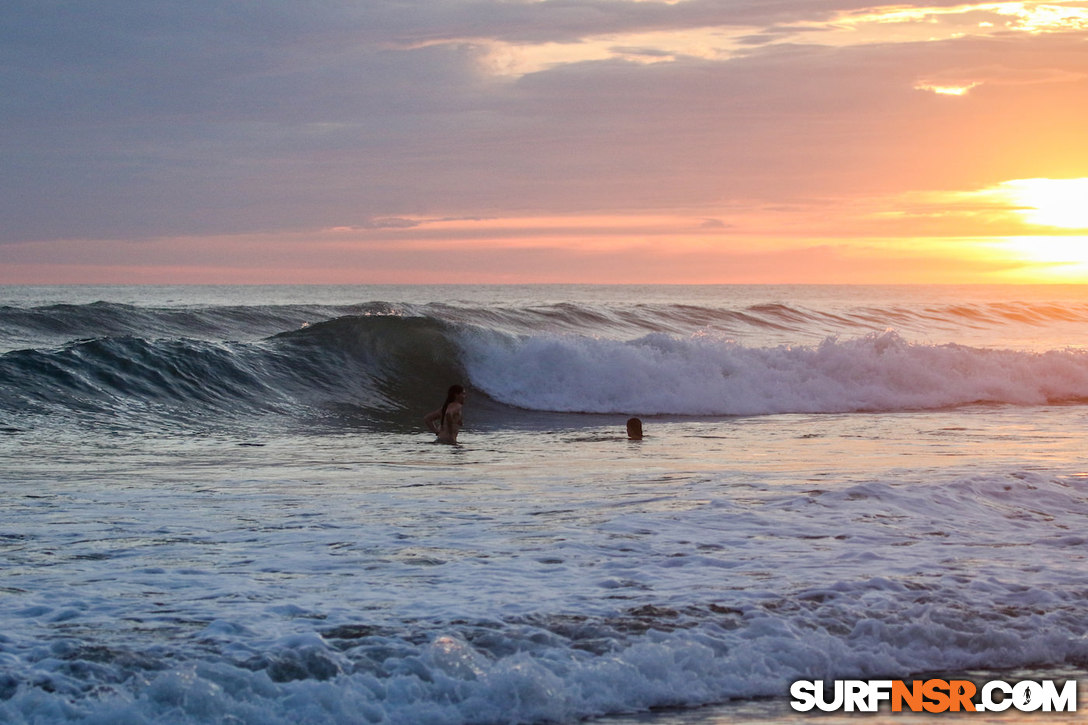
[934, 696]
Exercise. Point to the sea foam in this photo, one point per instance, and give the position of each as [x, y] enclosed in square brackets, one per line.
[712, 375]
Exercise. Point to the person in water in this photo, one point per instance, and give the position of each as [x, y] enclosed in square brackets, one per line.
[634, 429]
[446, 422]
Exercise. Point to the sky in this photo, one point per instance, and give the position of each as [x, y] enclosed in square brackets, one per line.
[535, 141]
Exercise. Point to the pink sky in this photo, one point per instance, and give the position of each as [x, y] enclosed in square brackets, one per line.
[598, 141]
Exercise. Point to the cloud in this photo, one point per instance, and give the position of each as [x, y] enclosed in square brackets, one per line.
[285, 259]
[160, 119]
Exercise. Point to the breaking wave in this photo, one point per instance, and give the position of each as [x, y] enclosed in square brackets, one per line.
[382, 364]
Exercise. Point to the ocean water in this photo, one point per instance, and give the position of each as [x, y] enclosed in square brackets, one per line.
[220, 504]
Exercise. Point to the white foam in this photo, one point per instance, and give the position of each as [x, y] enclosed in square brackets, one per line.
[447, 680]
[732, 589]
[709, 375]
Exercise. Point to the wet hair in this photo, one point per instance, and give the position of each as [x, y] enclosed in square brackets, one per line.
[634, 428]
[451, 395]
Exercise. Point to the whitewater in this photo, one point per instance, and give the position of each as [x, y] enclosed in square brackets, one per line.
[221, 506]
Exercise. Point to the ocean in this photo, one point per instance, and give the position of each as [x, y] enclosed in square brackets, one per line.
[220, 504]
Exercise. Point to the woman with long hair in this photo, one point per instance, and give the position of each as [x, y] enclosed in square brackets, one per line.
[447, 420]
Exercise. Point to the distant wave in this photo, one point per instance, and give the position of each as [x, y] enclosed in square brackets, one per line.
[384, 364]
[54, 325]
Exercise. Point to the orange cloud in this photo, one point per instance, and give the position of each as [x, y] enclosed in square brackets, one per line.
[920, 237]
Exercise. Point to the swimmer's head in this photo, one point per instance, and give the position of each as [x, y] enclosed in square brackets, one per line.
[634, 429]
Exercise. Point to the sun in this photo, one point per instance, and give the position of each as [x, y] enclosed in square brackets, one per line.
[1053, 250]
[1061, 203]
[1042, 259]
[1054, 247]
